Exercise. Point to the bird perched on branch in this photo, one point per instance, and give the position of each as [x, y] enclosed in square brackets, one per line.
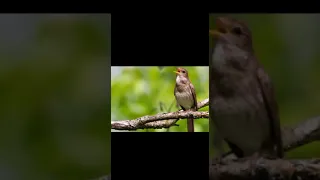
[242, 103]
[185, 95]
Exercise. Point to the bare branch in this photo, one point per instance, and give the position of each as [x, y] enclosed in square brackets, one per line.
[162, 120]
[301, 134]
[106, 177]
[203, 103]
[266, 169]
[140, 122]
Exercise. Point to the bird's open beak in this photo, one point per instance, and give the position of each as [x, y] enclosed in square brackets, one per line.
[177, 72]
[222, 27]
[215, 33]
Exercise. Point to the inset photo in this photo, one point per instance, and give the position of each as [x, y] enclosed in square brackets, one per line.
[159, 98]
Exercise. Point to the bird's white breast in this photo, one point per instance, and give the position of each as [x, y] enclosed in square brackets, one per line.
[178, 79]
[185, 98]
[218, 58]
[226, 52]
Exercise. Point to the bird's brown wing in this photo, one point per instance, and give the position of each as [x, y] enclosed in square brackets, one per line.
[194, 96]
[272, 108]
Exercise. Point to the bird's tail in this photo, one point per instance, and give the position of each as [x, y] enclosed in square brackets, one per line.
[190, 125]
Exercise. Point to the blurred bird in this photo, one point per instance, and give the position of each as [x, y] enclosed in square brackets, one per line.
[242, 103]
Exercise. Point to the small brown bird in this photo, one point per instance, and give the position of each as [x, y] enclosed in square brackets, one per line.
[185, 94]
[242, 103]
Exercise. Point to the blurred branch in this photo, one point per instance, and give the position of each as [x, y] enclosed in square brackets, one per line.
[106, 177]
[266, 169]
[163, 120]
[303, 133]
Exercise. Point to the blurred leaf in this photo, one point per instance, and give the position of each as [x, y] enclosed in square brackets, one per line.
[55, 101]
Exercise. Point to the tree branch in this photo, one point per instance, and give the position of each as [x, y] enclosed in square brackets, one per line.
[301, 134]
[163, 120]
[106, 177]
[267, 169]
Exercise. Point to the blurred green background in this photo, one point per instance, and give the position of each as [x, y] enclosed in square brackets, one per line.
[288, 47]
[140, 91]
[55, 97]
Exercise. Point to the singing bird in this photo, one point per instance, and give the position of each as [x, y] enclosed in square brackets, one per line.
[185, 95]
[242, 102]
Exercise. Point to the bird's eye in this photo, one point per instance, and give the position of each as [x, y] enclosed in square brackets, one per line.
[183, 71]
[237, 30]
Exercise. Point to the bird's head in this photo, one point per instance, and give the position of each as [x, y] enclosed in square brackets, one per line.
[181, 72]
[182, 75]
[233, 32]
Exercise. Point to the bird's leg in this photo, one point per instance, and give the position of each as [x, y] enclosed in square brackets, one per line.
[216, 160]
[221, 159]
[268, 151]
[251, 158]
[257, 156]
[190, 115]
[267, 155]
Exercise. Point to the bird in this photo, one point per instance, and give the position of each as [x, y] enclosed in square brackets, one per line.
[242, 103]
[185, 94]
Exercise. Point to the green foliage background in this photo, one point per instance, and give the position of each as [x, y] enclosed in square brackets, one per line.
[288, 47]
[140, 91]
[55, 97]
